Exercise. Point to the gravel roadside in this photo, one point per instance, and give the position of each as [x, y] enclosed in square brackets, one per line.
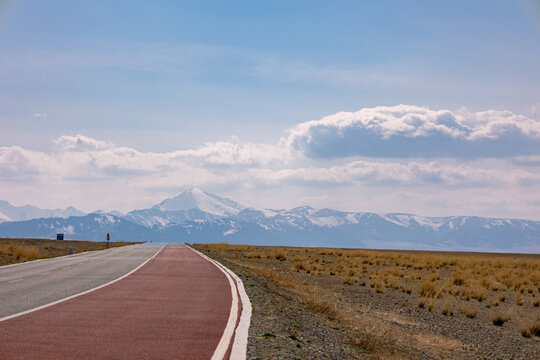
[279, 328]
[371, 324]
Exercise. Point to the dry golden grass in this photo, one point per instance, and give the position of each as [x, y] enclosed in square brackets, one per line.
[428, 289]
[483, 287]
[19, 250]
[448, 308]
[519, 299]
[279, 255]
[530, 328]
[431, 305]
[468, 310]
[498, 317]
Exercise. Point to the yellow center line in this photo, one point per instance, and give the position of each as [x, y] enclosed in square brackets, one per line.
[14, 281]
[81, 263]
[67, 267]
[46, 273]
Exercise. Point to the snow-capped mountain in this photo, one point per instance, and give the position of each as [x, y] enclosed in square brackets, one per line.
[392, 230]
[197, 199]
[4, 217]
[10, 212]
[113, 213]
[193, 204]
[196, 216]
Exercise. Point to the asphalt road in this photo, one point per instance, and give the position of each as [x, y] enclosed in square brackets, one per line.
[29, 285]
[177, 306]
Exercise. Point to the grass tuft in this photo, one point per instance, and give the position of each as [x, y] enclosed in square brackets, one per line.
[498, 318]
[448, 308]
[280, 255]
[530, 328]
[468, 310]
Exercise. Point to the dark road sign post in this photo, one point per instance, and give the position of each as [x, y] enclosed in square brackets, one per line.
[108, 238]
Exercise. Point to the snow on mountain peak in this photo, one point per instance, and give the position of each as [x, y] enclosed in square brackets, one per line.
[197, 199]
[4, 217]
[10, 212]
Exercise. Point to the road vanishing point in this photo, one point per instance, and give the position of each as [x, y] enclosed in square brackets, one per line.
[132, 302]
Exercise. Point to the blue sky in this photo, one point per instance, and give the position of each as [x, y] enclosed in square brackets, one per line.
[168, 76]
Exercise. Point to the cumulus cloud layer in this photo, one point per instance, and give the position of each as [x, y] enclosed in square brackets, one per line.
[413, 131]
[390, 150]
[80, 143]
[234, 163]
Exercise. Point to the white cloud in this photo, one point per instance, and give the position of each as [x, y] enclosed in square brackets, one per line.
[80, 158]
[414, 131]
[389, 174]
[493, 124]
[534, 111]
[18, 164]
[533, 160]
[237, 153]
[91, 173]
[80, 143]
[40, 115]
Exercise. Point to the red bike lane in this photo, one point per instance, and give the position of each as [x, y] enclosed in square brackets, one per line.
[176, 306]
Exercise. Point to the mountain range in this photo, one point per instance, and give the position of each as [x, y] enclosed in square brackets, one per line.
[9, 212]
[198, 216]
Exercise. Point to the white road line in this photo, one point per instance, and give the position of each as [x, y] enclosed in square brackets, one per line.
[79, 294]
[225, 341]
[239, 348]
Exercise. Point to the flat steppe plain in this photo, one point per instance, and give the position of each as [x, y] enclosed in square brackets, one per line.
[319, 303]
[15, 250]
